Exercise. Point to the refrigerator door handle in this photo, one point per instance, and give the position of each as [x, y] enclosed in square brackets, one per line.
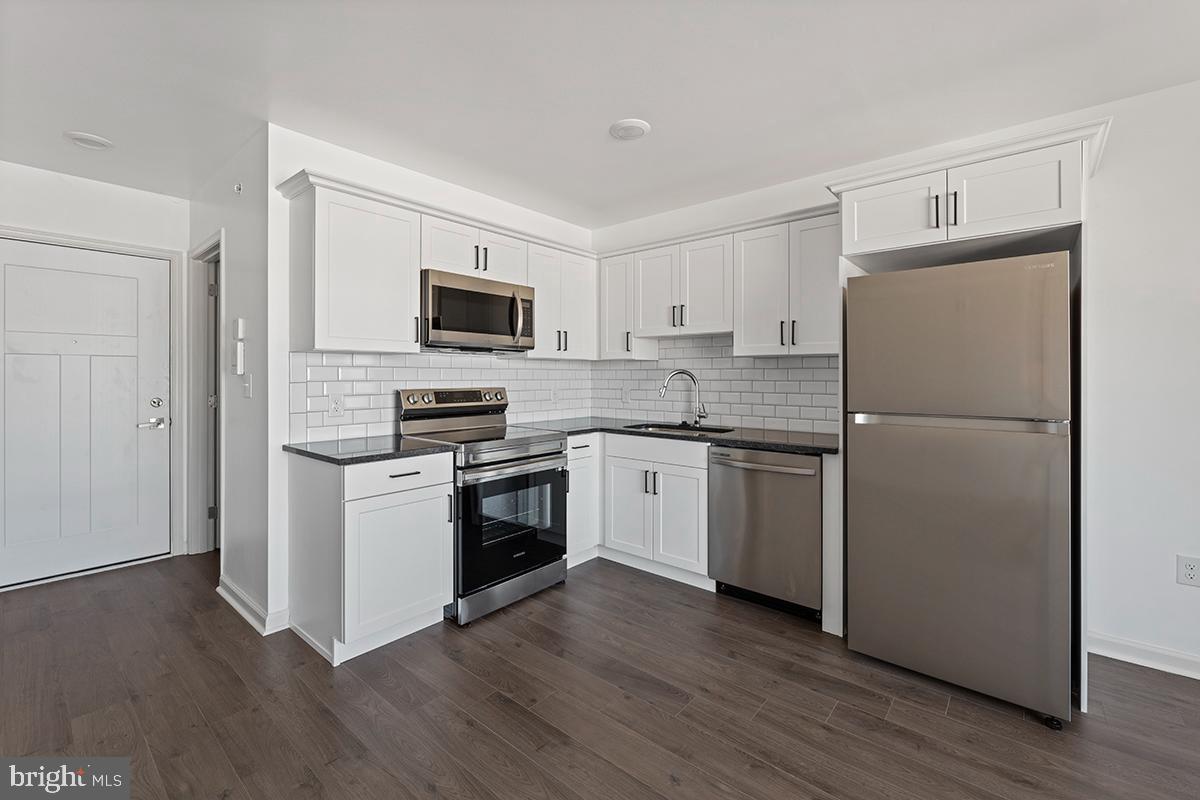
[1058, 427]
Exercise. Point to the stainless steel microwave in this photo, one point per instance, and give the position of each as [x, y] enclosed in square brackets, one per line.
[463, 312]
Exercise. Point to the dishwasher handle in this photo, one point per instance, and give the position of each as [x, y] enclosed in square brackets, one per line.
[762, 467]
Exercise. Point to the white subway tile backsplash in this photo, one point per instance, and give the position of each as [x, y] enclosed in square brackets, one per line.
[797, 393]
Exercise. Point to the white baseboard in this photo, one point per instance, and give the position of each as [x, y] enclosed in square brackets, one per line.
[655, 568]
[251, 611]
[583, 556]
[345, 652]
[1147, 655]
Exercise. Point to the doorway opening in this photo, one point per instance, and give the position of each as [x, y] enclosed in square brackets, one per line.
[205, 481]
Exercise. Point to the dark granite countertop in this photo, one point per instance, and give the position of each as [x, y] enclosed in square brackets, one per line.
[344, 452]
[750, 438]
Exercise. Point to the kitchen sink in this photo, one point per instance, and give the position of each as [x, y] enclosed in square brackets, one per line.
[682, 427]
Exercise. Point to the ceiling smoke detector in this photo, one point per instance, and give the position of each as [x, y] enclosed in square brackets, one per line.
[88, 141]
[626, 129]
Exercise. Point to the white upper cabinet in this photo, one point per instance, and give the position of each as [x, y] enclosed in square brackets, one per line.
[451, 246]
[704, 288]
[545, 276]
[899, 213]
[815, 293]
[355, 282]
[686, 289]
[655, 307]
[1035, 189]
[1027, 190]
[616, 312]
[760, 291]
[503, 258]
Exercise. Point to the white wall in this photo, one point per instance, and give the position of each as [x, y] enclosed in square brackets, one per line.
[246, 548]
[50, 202]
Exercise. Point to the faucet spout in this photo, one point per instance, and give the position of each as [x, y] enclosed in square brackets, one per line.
[699, 412]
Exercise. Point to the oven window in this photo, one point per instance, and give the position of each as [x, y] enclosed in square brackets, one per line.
[467, 311]
[511, 525]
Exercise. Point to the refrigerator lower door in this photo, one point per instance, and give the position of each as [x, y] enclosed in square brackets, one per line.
[959, 553]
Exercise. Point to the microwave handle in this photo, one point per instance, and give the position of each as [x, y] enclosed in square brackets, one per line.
[520, 326]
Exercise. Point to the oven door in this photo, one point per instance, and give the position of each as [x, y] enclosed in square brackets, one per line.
[512, 518]
[465, 312]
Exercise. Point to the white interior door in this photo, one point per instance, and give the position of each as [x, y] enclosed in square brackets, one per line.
[86, 368]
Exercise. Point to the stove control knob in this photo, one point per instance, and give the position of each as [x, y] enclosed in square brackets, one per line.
[487, 396]
[412, 398]
[427, 398]
[500, 397]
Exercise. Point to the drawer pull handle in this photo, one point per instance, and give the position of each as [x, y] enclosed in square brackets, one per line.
[580, 446]
[405, 474]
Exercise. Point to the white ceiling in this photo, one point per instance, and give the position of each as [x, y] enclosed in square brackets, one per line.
[515, 98]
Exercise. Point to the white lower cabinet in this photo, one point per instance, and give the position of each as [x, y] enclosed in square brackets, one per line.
[367, 570]
[583, 498]
[655, 509]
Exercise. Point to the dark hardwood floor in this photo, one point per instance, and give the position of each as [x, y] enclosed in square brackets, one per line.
[617, 685]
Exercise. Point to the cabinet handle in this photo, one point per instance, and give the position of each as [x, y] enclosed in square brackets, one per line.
[645, 481]
[682, 315]
[937, 205]
[673, 325]
[449, 508]
[566, 340]
[485, 259]
[476, 256]
[405, 474]
[955, 193]
[558, 340]
[580, 446]
[417, 328]
[567, 477]
[628, 341]
[793, 332]
[782, 341]
[655, 483]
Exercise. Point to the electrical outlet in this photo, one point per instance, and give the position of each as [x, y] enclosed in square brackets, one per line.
[337, 405]
[1187, 570]
[553, 394]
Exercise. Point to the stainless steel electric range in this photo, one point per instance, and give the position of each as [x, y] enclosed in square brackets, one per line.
[511, 496]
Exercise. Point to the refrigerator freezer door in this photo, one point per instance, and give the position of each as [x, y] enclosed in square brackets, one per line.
[988, 339]
[959, 556]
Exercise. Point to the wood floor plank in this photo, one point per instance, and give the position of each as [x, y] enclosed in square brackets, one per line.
[497, 672]
[114, 731]
[33, 711]
[263, 757]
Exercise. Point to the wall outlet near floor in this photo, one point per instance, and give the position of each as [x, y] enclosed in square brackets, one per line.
[337, 405]
[1187, 570]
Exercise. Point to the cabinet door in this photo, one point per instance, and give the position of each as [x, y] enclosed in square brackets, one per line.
[448, 245]
[583, 506]
[680, 511]
[627, 524]
[577, 313]
[705, 291]
[815, 291]
[503, 258]
[655, 304]
[545, 276]
[900, 213]
[760, 291]
[1026, 190]
[399, 558]
[366, 278]
[616, 312]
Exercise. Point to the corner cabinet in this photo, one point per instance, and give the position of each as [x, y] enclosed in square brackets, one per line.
[1034, 189]
[371, 550]
[616, 339]
[564, 304]
[355, 272]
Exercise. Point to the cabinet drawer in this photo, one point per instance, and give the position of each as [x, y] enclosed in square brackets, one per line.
[662, 451]
[583, 446]
[396, 475]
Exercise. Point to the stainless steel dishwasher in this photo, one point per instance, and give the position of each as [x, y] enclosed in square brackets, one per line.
[764, 524]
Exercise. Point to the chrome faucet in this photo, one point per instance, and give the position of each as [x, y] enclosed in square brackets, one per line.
[700, 412]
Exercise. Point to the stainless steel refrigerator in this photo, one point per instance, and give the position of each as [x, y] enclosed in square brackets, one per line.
[959, 477]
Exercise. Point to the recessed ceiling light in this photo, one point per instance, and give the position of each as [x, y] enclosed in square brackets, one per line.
[88, 141]
[627, 129]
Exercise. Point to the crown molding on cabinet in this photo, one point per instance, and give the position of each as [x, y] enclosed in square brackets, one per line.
[1094, 134]
[737, 227]
[305, 178]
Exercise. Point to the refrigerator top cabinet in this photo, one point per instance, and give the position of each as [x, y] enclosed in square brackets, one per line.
[988, 339]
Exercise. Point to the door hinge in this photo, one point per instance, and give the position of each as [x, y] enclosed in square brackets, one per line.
[212, 401]
[212, 512]
[212, 290]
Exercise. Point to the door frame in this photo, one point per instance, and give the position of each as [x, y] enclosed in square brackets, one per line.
[179, 408]
[199, 340]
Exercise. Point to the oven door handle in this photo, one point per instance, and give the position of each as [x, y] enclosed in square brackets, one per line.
[468, 477]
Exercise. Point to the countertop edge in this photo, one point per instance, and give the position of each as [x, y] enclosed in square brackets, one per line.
[367, 458]
[717, 439]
